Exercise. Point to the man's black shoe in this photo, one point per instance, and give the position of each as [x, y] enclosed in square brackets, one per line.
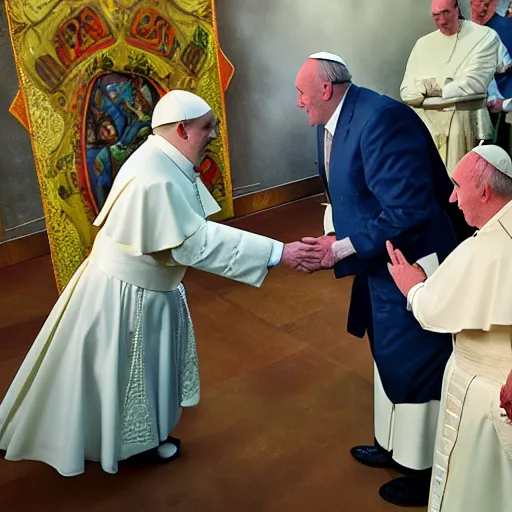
[407, 491]
[373, 456]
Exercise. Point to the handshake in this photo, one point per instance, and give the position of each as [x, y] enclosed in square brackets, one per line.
[312, 254]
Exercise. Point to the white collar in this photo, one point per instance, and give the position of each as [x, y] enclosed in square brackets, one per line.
[185, 165]
[496, 217]
[462, 29]
[330, 126]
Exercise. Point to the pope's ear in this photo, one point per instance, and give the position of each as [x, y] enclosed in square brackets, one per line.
[327, 91]
[181, 131]
[486, 193]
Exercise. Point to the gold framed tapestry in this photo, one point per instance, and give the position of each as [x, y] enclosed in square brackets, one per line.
[90, 73]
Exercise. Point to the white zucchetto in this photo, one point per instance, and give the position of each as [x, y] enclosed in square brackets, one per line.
[328, 56]
[496, 156]
[177, 106]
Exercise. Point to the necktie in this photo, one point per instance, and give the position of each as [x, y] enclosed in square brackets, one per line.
[327, 152]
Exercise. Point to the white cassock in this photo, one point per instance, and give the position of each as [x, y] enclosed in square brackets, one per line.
[470, 295]
[407, 430]
[116, 359]
[462, 65]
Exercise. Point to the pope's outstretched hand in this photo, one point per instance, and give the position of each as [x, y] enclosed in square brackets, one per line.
[297, 253]
[326, 255]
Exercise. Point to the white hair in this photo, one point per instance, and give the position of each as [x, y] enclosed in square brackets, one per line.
[334, 72]
[499, 182]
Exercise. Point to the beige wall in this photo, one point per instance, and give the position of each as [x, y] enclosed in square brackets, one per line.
[267, 40]
[20, 204]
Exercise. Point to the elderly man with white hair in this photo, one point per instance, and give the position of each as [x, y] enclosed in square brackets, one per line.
[116, 360]
[470, 297]
[385, 180]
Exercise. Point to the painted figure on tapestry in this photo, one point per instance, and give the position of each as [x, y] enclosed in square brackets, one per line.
[118, 121]
[91, 72]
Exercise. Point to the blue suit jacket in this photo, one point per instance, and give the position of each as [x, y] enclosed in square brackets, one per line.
[388, 182]
[503, 26]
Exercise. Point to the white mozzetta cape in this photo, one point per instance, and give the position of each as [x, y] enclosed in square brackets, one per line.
[471, 288]
[157, 204]
[157, 211]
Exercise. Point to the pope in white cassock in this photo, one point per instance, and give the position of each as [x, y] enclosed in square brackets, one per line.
[470, 296]
[116, 359]
[452, 65]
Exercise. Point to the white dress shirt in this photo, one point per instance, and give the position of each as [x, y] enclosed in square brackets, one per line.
[493, 94]
[330, 129]
[340, 248]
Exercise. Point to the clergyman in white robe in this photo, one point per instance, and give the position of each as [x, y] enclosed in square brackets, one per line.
[470, 296]
[453, 68]
[116, 359]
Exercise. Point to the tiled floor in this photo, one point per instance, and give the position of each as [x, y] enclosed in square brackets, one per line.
[285, 394]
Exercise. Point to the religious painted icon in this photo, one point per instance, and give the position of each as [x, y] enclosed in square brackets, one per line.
[90, 75]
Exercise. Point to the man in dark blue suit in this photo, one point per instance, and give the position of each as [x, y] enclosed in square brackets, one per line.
[385, 181]
[484, 12]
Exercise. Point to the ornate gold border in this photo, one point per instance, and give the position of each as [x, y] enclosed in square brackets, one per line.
[68, 251]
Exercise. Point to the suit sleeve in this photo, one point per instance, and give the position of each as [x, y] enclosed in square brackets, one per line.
[227, 252]
[397, 170]
[350, 266]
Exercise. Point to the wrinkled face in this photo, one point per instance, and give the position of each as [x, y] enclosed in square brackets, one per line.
[312, 93]
[466, 192]
[446, 16]
[200, 132]
[483, 10]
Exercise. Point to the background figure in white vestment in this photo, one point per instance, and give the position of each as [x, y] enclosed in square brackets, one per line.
[116, 359]
[452, 64]
[470, 296]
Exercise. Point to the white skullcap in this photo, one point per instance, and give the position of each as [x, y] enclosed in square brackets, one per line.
[497, 157]
[328, 56]
[177, 106]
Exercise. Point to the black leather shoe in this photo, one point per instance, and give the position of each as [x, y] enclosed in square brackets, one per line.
[373, 456]
[407, 491]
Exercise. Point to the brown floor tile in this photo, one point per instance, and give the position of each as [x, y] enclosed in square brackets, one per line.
[360, 359]
[27, 290]
[237, 346]
[323, 329]
[288, 296]
[285, 393]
